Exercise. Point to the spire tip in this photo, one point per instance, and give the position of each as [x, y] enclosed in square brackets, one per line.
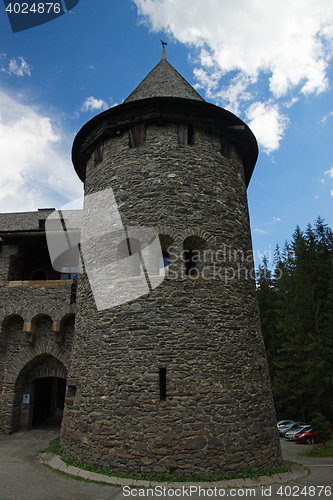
[163, 57]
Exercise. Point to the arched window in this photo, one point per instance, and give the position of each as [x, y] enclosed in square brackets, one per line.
[168, 260]
[163, 264]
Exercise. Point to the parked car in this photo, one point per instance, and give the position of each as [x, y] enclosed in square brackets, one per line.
[292, 435]
[290, 427]
[282, 423]
[310, 437]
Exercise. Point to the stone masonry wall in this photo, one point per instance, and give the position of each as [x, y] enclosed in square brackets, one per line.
[204, 330]
[29, 313]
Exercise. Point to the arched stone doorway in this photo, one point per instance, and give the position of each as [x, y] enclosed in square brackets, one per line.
[48, 401]
[39, 392]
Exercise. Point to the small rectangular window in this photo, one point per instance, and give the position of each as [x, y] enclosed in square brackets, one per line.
[98, 154]
[224, 145]
[162, 384]
[71, 391]
[181, 131]
[185, 134]
[137, 135]
[190, 134]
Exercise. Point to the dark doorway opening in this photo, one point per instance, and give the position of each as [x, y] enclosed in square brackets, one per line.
[48, 402]
[190, 263]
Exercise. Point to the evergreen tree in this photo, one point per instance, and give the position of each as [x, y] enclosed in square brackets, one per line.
[296, 307]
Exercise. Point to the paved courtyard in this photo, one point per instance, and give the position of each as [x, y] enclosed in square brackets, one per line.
[24, 477]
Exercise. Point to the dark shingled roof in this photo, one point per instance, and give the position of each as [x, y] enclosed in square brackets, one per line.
[23, 221]
[164, 81]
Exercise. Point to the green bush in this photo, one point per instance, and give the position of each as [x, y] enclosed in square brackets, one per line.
[320, 425]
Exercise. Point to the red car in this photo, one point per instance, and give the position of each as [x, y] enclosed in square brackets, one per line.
[309, 437]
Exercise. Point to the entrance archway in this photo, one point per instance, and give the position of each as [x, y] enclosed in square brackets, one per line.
[39, 393]
[48, 401]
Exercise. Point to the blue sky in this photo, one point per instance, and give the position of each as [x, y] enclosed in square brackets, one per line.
[268, 62]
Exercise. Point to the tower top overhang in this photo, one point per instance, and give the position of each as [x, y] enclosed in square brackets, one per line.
[161, 110]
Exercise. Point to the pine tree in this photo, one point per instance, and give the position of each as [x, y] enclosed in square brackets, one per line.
[296, 304]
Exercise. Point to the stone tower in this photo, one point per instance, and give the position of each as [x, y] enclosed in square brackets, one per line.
[175, 381]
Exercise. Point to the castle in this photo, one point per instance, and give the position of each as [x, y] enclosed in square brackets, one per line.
[175, 380]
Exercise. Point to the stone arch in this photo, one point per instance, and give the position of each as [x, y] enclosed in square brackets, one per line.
[67, 317]
[55, 312]
[39, 274]
[7, 319]
[12, 310]
[168, 232]
[28, 354]
[38, 316]
[197, 233]
[29, 366]
[58, 314]
[41, 328]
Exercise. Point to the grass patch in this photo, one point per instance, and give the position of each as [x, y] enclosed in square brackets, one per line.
[53, 447]
[253, 473]
[319, 450]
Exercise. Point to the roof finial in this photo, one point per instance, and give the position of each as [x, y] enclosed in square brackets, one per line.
[163, 57]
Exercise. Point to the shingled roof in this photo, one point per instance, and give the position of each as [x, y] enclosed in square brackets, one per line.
[164, 81]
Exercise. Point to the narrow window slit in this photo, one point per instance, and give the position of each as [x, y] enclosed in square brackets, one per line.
[162, 384]
[137, 135]
[98, 154]
[190, 134]
[224, 146]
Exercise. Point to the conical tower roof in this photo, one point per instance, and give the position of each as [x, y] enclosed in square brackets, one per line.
[164, 81]
[164, 96]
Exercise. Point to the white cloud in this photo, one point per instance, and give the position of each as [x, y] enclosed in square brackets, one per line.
[17, 66]
[329, 172]
[239, 44]
[323, 120]
[93, 104]
[229, 97]
[290, 103]
[267, 124]
[291, 40]
[36, 168]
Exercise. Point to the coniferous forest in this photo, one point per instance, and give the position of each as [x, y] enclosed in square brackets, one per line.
[296, 309]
